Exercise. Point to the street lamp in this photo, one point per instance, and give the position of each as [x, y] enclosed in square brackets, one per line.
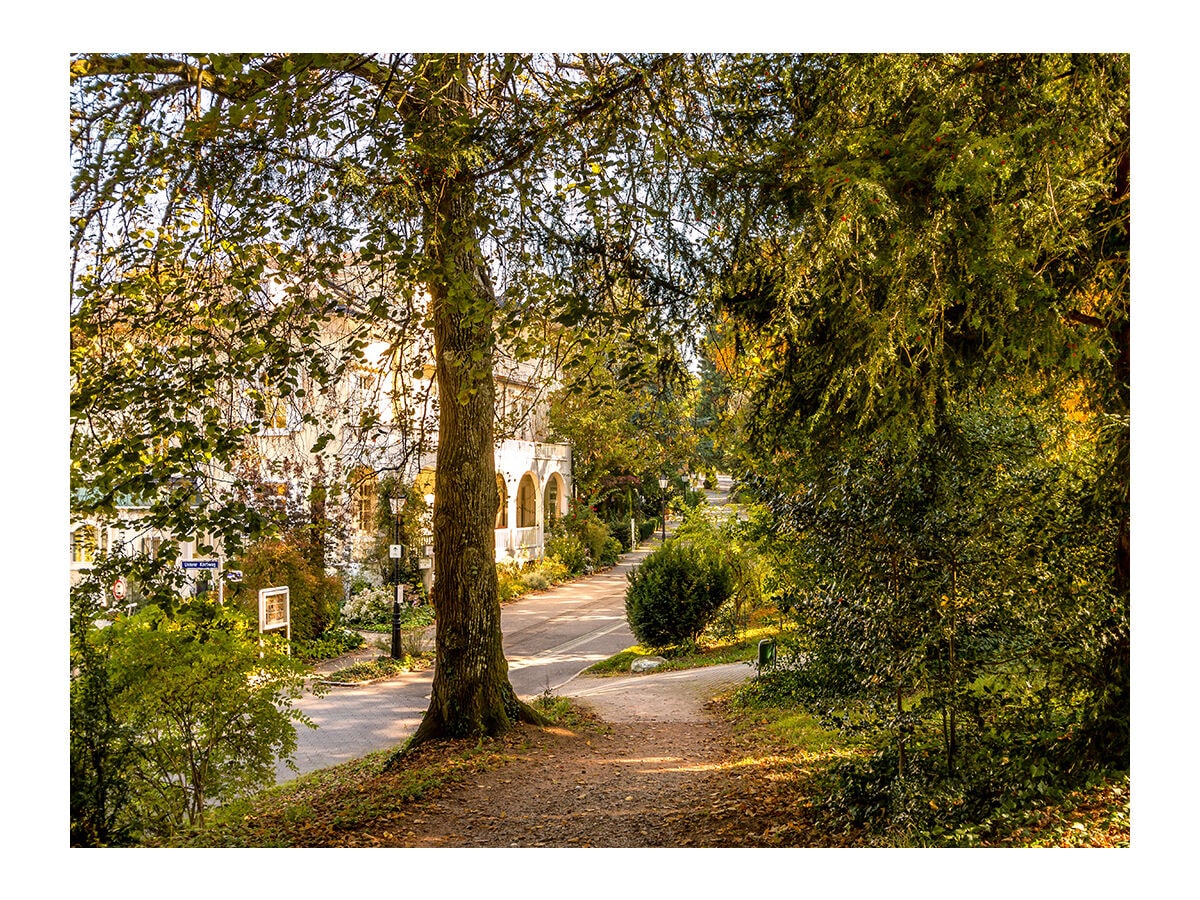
[662, 484]
[396, 551]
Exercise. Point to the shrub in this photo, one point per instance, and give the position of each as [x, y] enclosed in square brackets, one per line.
[619, 528]
[569, 551]
[675, 593]
[508, 582]
[208, 706]
[333, 643]
[371, 610]
[372, 606]
[593, 535]
[553, 570]
[515, 580]
[534, 581]
[610, 552]
[646, 528]
[314, 596]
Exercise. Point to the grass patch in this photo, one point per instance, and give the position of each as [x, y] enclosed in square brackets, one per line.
[710, 651]
[618, 664]
[355, 804]
[800, 732]
[380, 667]
[563, 712]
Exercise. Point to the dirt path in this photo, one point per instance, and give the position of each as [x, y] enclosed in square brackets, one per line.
[654, 777]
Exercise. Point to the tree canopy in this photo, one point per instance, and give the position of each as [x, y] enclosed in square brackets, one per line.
[219, 198]
[914, 241]
[889, 246]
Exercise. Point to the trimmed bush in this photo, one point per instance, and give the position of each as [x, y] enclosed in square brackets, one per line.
[610, 552]
[619, 529]
[675, 593]
[647, 527]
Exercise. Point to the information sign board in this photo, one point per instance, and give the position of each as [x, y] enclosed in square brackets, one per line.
[274, 609]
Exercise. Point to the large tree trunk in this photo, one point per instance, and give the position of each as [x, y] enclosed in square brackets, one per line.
[471, 691]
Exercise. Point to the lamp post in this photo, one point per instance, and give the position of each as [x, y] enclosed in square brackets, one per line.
[396, 551]
[662, 484]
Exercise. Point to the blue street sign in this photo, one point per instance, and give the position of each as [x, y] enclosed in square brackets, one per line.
[200, 563]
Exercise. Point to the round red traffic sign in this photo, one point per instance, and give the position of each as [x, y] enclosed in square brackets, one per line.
[119, 589]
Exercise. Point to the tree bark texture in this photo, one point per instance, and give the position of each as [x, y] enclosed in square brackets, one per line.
[471, 693]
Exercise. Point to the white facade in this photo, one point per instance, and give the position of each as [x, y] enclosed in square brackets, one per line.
[537, 481]
[383, 417]
[397, 394]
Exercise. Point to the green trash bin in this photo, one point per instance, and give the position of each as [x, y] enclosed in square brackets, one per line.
[766, 653]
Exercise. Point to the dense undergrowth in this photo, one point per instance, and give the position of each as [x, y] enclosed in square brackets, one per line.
[1002, 795]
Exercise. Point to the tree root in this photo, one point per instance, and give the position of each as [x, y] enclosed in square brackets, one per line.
[431, 729]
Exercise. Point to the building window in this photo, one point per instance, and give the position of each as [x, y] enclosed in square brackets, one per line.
[275, 408]
[502, 509]
[83, 544]
[151, 545]
[526, 502]
[276, 419]
[551, 500]
[362, 491]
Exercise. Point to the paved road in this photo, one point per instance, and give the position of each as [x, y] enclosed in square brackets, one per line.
[549, 638]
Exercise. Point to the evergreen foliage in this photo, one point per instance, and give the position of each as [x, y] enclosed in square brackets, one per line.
[675, 593]
[928, 261]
